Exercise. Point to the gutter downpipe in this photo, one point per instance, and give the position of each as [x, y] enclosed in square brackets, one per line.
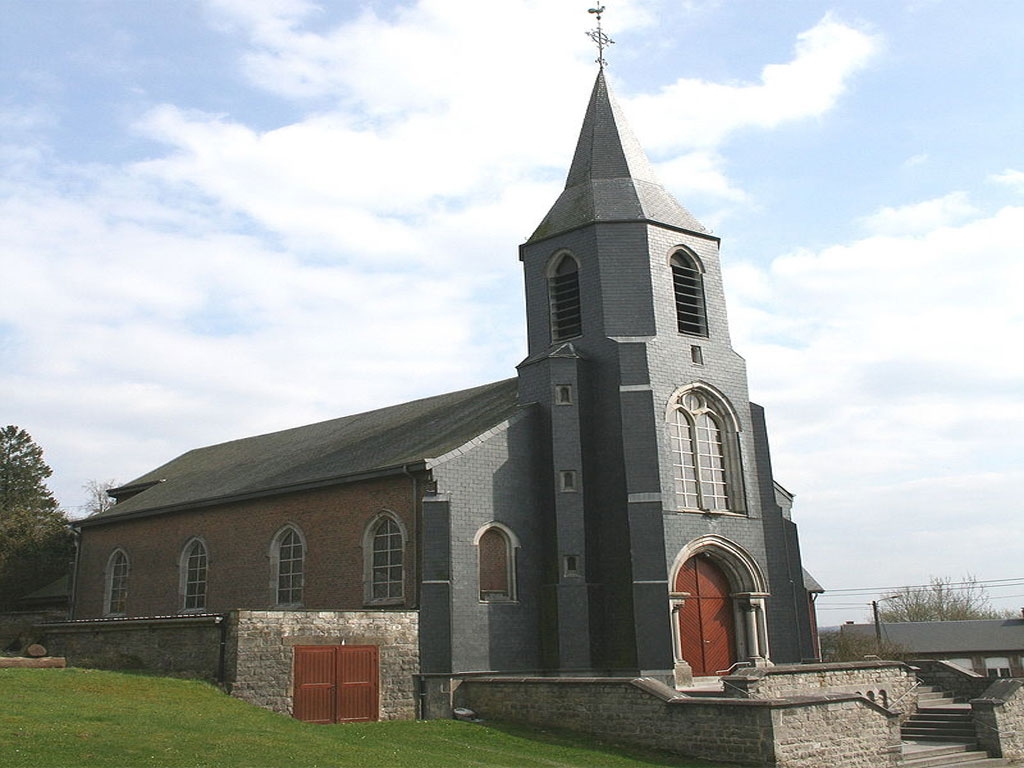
[73, 592]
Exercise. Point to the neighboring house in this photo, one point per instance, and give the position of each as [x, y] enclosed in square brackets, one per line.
[611, 510]
[992, 647]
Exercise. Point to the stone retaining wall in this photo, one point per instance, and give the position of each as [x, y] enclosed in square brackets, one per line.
[801, 732]
[889, 683]
[961, 683]
[17, 627]
[999, 719]
[260, 653]
[181, 646]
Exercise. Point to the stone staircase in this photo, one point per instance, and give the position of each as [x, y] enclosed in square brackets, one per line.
[940, 734]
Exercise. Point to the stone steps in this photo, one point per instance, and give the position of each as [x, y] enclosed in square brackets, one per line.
[921, 755]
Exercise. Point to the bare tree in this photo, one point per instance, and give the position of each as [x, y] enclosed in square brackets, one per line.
[849, 645]
[97, 498]
[942, 599]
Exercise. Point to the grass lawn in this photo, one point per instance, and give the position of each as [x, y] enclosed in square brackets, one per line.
[83, 718]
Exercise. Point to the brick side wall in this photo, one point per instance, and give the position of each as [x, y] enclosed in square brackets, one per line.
[810, 732]
[238, 537]
[261, 653]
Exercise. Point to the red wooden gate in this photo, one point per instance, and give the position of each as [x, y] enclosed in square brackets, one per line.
[336, 683]
[706, 632]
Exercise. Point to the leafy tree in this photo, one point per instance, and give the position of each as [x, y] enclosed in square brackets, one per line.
[36, 545]
[941, 600]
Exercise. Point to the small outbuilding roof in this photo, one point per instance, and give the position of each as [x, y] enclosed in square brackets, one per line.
[952, 637]
[375, 442]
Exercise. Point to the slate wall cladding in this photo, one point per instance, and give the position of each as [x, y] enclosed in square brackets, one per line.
[261, 653]
[840, 732]
[494, 480]
[238, 537]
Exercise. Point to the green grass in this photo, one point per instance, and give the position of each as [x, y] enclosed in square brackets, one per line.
[83, 718]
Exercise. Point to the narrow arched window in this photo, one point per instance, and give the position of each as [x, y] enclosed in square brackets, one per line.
[387, 572]
[288, 553]
[702, 455]
[564, 296]
[193, 576]
[117, 583]
[688, 285]
[496, 556]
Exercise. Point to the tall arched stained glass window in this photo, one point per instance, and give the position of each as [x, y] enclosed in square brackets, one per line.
[704, 455]
[289, 553]
[193, 576]
[117, 583]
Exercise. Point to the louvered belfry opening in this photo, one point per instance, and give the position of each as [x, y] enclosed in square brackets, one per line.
[564, 292]
[688, 283]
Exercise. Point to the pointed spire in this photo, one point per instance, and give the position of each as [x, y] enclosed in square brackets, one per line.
[610, 178]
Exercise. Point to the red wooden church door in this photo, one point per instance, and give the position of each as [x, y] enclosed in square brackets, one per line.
[336, 683]
[706, 630]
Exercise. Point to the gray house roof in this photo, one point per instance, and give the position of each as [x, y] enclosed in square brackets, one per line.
[376, 442]
[950, 637]
[611, 178]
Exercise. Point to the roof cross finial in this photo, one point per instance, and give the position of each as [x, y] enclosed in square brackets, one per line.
[599, 37]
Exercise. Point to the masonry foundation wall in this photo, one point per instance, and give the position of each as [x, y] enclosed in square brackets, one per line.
[889, 683]
[999, 719]
[250, 652]
[182, 646]
[261, 652]
[806, 732]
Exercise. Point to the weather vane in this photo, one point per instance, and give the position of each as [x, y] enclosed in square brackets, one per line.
[599, 37]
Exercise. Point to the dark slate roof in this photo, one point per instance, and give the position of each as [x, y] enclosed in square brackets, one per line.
[318, 454]
[810, 583]
[611, 178]
[952, 637]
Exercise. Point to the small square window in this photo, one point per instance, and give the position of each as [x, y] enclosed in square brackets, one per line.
[697, 355]
[563, 394]
[571, 565]
[568, 479]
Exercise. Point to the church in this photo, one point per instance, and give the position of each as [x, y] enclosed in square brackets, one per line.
[609, 510]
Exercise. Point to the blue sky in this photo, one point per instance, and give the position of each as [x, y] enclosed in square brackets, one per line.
[224, 217]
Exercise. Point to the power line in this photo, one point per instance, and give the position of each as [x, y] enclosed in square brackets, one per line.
[957, 585]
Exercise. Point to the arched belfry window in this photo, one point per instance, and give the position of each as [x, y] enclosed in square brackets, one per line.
[688, 286]
[564, 297]
[384, 545]
[193, 568]
[496, 554]
[705, 453]
[117, 583]
[288, 558]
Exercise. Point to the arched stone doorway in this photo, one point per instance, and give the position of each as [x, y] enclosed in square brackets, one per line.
[717, 609]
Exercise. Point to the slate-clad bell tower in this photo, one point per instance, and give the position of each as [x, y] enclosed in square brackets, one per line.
[661, 521]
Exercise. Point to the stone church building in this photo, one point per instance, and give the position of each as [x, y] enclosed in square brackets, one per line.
[610, 510]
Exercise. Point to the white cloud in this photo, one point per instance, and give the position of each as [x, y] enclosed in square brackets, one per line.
[825, 58]
[1011, 178]
[893, 391]
[922, 217]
